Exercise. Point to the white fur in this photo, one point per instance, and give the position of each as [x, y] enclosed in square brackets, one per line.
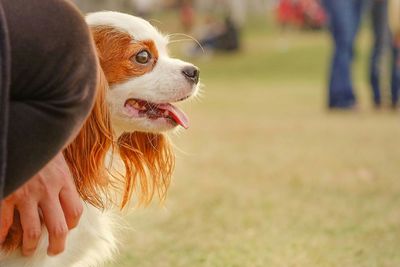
[90, 244]
[93, 241]
[138, 28]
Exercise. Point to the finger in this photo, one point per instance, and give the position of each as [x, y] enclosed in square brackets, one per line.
[31, 226]
[56, 226]
[71, 204]
[6, 219]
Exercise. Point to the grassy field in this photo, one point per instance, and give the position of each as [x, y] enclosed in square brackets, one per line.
[266, 176]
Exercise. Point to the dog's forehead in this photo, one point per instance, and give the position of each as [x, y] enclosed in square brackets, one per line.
[136, 27]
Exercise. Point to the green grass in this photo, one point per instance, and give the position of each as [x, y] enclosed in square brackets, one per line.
[268, 177]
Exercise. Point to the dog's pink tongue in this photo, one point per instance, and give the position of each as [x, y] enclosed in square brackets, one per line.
[177, 115]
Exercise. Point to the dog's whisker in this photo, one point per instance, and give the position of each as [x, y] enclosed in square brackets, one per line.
[178, 34]
[155, 21]
[179, 41]
[151, 141]
[180, 150]
[187, 36]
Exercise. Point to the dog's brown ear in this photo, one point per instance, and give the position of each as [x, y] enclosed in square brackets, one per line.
[149, 163]
[86, 154]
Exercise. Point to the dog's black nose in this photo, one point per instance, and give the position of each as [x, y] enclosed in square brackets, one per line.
[191, 73]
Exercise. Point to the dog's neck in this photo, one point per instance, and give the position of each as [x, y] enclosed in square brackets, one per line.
[118, 131]
[121, 128]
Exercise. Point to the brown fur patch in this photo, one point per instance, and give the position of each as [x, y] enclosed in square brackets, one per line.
[86, 154]
[149, 163]
[117, 51]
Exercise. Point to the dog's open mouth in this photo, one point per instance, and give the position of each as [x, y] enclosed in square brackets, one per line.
[142, 108]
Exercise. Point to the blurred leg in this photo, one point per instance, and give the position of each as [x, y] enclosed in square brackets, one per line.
[359, 8]
[53, 80]
[342, 26]
[381, 39]
[4, 95]
[395, 75]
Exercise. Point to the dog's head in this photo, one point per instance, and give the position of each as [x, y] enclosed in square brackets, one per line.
[144, 80]
[138, 82]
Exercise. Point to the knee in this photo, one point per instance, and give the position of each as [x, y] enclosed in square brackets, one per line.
[74, 59]
[53, 56]
[70, 49]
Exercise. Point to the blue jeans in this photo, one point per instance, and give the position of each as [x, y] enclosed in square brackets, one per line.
[382, 39]
[395, 87]
[344, 17]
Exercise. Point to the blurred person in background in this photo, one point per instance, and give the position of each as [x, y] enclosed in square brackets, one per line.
[216, 36]
[313, 13]
[284, 13]
[290, 13]
[344, 20]
[305, 14]
[143, 7]
[187, 15]
[383, 38]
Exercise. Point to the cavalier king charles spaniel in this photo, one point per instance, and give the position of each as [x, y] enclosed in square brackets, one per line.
[122, 151]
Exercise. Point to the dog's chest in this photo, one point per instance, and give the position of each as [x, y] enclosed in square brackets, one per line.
[91, 243]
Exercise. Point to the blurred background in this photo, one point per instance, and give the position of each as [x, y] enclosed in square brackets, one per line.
[270, 173]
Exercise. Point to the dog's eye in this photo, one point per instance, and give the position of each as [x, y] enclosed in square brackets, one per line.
[143, 57]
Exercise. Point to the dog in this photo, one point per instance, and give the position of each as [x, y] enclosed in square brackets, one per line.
[122, 154]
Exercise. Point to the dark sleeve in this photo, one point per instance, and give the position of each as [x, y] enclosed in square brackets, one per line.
[4, 95]
[53, 80]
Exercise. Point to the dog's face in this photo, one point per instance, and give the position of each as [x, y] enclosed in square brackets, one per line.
[143, 79]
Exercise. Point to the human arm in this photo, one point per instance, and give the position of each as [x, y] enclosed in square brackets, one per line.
[49, 197]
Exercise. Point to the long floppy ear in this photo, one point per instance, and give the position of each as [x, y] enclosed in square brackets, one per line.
[149, 163]
[86, 154]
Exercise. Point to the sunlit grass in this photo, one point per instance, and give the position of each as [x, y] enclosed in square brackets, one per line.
[269, 177]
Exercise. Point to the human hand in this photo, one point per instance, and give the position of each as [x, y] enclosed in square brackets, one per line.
[50, 196]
